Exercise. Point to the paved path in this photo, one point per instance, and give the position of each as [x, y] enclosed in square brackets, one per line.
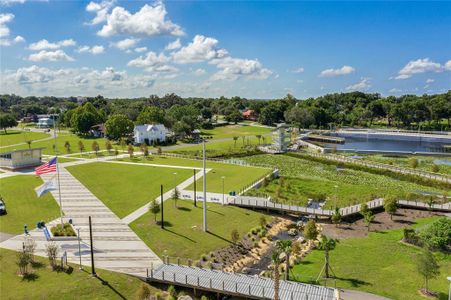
[117, 247]
[358, 295]
[5, 236]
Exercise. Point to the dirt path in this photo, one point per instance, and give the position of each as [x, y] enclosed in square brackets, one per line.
[403, 218]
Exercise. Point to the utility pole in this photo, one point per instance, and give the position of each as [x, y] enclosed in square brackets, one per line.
[162, 207]
[223, 195]
[79, 248]
[93, 270]
[204, 185]
[194, 172]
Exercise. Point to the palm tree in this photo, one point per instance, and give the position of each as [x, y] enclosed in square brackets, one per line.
[327, 244]
[285, 247]
[276, 276]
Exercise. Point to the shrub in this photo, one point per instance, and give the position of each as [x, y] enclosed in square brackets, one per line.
[67, 230]
[235, 236]
[310, 231]
[410, 236]
[23, 260]
[52, 252]
[172, 292]
[435, 168]
[437, 235]
[143, 292]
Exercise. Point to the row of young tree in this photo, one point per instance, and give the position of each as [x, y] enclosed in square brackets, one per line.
[185, 114]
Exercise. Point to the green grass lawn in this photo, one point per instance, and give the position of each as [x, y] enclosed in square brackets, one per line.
[425, 163]
[47, 284]
[23, 205]
[235, 130]
[236, 177]
[125, 188]
[244, 145]
[183, 236]
[378, 264]
[309, 179]
[13, 137]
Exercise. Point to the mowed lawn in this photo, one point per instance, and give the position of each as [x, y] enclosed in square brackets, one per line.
[235, 130]
[125, 188]
[47, 284]
[236, 176]
[23, 205]
[13, 137]
[183, 236]
[378, 264]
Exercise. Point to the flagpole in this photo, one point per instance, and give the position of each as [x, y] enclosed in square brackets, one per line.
[57, 171]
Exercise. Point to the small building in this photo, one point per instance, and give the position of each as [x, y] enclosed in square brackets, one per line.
[19, 159]
[45, 122]
[98, 130]
[149, 133]
[249, 114]
[279, 138]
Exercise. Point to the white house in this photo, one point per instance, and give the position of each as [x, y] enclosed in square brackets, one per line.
[17, 159]
[45, 123]
[148, 133]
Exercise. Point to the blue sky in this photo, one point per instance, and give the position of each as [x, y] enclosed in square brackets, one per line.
[196, 48]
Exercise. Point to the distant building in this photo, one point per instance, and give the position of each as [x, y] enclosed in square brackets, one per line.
[149, 133]
[81, 100]
[98, 130]
[249, 114]
[18, 159]
[45, 122]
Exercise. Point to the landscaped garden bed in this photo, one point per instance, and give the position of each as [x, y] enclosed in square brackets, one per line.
[66, 232]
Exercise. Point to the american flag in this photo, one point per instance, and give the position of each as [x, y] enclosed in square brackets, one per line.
[48, 167]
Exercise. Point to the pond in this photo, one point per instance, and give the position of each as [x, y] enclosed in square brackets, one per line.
[362, 144]
[442, 162]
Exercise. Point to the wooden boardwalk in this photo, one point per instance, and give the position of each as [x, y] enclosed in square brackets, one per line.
[263, 203]
[237, 284]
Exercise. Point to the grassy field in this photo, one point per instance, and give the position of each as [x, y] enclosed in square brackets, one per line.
[47, 284]
[308, 179]
[358, 265]
[236, 177]
[183, 236]
[424, 162]
[22, 204]
[15, 137]
[235, 130]
[223, 148]
[125, 188]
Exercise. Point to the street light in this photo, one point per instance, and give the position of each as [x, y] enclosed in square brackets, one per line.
[335, 198]
[223, 195]
[204, 186]
[79, 249]
[175, 180]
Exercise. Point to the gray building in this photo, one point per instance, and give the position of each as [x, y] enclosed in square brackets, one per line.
[18, 159]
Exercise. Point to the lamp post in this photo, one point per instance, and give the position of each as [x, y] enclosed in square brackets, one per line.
[335, 196]
[223, 195]
[204, 186]
[194, 175]
[79, 248]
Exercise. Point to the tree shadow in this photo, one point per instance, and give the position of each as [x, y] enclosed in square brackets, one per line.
[30, 277]
[106, 283]
[180, 235]
[165, 223]
[404, 222]
[215, 212]
[184, 208]
[37, 264]
[353, 281]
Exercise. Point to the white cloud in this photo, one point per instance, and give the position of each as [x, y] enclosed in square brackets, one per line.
[199, 72]
[98, 49]
[200, 49]
[418, 66]
[448, 65]
[5, 18]
[141, 49]
[345, 70]
[149, 60]
[125, 43]
[11, 2]
[173, 45]
[100, 9]
[44, 55]
[44, 44]
[19, 39]
[5, 42]
[430, 80]
[395, 90]
[298, 70]
[150, 20]
[362, 85]
[234, 68]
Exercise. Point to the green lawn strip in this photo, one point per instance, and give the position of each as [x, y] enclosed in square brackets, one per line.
[183, 236]
[310, 179]
[236, 177]
[15, 137]
[425, 163]
[378, 264]
[125, 188]
[23, 205]
[222, 148]
[47, 284]
[235, 130]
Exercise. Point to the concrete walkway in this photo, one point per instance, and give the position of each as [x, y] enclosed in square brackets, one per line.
[358, 295]
[117, 247]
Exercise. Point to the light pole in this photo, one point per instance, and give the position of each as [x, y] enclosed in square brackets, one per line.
[204, 186]
[79, 248]
[335, 198]
[223, 195]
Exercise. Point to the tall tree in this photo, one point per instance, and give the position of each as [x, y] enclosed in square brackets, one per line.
[7, 121]
[275, 258]
[118, 126]
[327, 244]
[428, 267]
[390, 206]
[151, 115]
